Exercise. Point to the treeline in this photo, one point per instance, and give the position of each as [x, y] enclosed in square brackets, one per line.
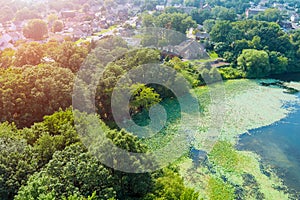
[37, 79]
[257, 48]
[48, 161]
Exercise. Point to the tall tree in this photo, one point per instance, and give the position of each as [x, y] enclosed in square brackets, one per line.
[29, 54]
[36, 29]
[29, 93]
[255, 63]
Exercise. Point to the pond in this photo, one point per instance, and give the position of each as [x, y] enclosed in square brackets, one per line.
[279, 143]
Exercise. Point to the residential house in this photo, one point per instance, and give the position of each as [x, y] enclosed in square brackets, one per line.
[160, 7]
[170, 51]
[15, 36]
[287, 25]
[189, 49]
[5, 42]
[295, 18]
[68, 14]
[280, 6]
[254, 11]
[2, 30]
[206, 7]
[202, 36]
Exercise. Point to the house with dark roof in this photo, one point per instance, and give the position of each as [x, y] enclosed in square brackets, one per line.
[254, 11]
[189, 49]
[202, 35]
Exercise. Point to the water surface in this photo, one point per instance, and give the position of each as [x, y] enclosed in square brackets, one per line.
[279, 144]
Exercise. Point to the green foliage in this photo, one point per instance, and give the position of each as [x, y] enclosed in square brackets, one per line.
[201, 15]
[7, 14]
[6, 58]
[36, 29]
[69, 55]
[217, 190]
[29, 93]
[57, 26]
[222, 13]
[29, 54]
[238, 5]
[231, 39]
[255, 63]
[278, 62]
[26, 14]
[269, 15]
[170, 186]
[71, 171]
[231, 73]
[17, 161]
[143, 97]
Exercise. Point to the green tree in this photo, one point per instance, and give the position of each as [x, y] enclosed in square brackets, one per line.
[17, 161]
[269, 15]
[7, 14]
[26, 14]
[176, 21]
[222, 13]
[201, 15]
[278, 62]
[57, 26]
[29, 93]
[143, 97]
[29, 54]
[254, 62]
[170, 186]
[208, 25]
[70, 172]
[220, 32]
[69, 55]
[6, 58]
[36, 29]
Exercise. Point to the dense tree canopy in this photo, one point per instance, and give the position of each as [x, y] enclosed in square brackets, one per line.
[29, 54]
[57, 26]
[36, 29]
[254, 62]
[29, 93]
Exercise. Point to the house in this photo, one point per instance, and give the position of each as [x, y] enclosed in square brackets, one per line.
[68, 14]
[77, 34]
[160, 7]
[170, 51]
[279, 6]
[15, 36]
[295, 18]
[206, 7]
[202, 36]
[5, 42]
[1, 28]
[287, 25]
[190, 49]
[254, 11]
